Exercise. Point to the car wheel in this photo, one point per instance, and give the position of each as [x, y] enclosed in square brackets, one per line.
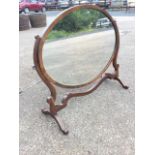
[24, 22]
[26, 10]
[43, 9]
[38, 20]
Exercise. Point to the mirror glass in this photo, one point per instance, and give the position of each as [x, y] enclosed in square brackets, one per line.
[79, 47]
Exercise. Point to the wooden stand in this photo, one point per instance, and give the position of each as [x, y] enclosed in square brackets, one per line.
[53, 107]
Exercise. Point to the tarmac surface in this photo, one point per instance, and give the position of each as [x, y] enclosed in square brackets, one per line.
[101, 123]
[80, 58]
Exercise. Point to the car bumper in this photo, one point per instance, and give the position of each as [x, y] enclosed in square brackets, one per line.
[63, 6]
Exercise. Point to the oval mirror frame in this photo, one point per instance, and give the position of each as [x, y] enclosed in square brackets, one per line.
[52, 25]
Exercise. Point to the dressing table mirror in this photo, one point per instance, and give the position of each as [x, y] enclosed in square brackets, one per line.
[74, 53]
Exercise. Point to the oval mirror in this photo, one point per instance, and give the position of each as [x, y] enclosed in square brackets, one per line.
[79, 47]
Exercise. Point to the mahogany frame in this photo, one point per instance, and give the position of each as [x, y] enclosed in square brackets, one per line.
[51, 83]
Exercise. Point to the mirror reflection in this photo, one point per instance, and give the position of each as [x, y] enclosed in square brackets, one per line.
[79, 47]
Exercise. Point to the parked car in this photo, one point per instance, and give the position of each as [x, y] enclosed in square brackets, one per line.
[103, 22]
[107, 3]
[50, 4]
[118, 3]
[31, 5]
[102, 3]
[78, 2]
[63, 4]
[131, 3]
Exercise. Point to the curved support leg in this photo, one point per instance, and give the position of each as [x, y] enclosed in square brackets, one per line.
[53, 114]
[124, 86]
[115, 76]
[58, 121]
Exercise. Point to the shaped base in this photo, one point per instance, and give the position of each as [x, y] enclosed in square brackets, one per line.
[115, 77]
[55, 108]
[58, 121]
[124, 86]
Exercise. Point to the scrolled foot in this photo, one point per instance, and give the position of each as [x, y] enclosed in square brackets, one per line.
[60, 124]
[58, 121]
[45, 112]
[124, 86]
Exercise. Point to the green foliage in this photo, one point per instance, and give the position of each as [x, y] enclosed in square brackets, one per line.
[62, 34]
[57, 34]
[83, 20]
[79, 20]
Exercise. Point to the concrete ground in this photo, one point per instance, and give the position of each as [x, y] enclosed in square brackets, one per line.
[81, 58]
[101, 123]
